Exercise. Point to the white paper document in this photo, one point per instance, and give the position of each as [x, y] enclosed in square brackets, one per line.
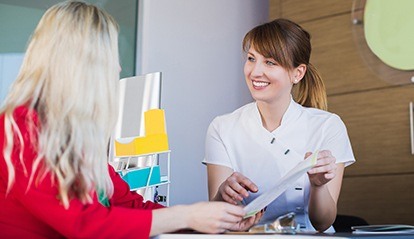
[286, 181]
[383, 229]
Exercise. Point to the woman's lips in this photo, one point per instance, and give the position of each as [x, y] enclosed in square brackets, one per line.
[259, 84]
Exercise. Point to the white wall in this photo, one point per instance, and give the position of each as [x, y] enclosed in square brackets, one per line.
[197, 46]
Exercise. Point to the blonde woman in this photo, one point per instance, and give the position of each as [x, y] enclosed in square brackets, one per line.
[54, 128]
[253, 147]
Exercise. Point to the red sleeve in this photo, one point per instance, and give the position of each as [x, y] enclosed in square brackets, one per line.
[40, 201]
[123, 197]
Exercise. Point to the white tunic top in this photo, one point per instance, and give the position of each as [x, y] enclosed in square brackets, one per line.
[239, 141]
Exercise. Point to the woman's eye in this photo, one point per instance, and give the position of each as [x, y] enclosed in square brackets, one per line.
[250, 59]
[270, 63]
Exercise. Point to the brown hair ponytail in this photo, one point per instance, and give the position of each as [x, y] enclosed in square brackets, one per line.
[310, 91]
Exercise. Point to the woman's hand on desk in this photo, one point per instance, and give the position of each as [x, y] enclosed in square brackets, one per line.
[235, 188]
[324, 170]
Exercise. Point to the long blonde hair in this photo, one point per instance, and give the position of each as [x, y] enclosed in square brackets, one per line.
[289, 45]
[69, 76]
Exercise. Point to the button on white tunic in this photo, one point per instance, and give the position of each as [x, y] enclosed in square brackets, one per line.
[239, 141]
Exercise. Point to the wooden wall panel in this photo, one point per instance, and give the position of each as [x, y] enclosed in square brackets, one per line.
[378, 126]
[305, 10]
[379, 186]
[336, 56]
[275, 9]
[379, 200]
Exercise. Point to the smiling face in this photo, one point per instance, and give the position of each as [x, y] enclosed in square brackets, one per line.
[278, 54]
[267, 81]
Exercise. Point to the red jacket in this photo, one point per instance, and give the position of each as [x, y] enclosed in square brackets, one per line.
[35, 212]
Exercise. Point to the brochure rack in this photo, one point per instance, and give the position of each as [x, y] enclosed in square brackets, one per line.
[146, 152]
[143, 178]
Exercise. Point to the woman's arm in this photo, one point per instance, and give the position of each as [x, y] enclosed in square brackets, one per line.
[206, 217]
[325, 179]
[216, 175]
[326, 176]
[223, 183]
[232, 187]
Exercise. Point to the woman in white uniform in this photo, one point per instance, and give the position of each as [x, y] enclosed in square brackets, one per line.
[250, 149]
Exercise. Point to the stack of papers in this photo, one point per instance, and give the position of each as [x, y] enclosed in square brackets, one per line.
[383, 229]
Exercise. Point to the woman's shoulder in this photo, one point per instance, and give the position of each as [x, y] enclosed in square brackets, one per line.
[224, 124]
[318, 113]
[321, 117]
[231, 117]
[22, 116]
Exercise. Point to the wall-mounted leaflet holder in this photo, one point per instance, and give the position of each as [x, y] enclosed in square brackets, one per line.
[410, 108]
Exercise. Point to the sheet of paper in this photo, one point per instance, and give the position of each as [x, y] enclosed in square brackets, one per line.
[286, 181]
[383, 229]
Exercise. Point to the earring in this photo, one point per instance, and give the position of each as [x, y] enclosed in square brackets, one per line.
[295, 81]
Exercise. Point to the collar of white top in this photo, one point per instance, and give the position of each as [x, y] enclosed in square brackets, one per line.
[293, 111]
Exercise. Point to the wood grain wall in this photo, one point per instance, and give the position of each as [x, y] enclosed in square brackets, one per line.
[379, 187]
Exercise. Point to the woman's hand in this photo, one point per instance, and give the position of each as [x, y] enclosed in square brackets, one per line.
[247, 223]
[205, 217]
[235, 188]
[324, 170]
[216, 217]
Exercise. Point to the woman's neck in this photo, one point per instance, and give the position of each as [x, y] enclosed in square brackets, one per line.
[272, 113]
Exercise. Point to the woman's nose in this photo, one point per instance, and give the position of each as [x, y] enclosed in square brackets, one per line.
[257, 69]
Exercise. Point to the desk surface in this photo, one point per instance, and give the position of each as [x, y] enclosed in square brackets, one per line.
[284, 236]
[242, 236]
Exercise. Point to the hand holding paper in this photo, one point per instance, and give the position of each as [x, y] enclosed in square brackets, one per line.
[324, 170]
[286, 181]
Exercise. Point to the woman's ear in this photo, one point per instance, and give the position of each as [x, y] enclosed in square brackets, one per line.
[299, 73]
